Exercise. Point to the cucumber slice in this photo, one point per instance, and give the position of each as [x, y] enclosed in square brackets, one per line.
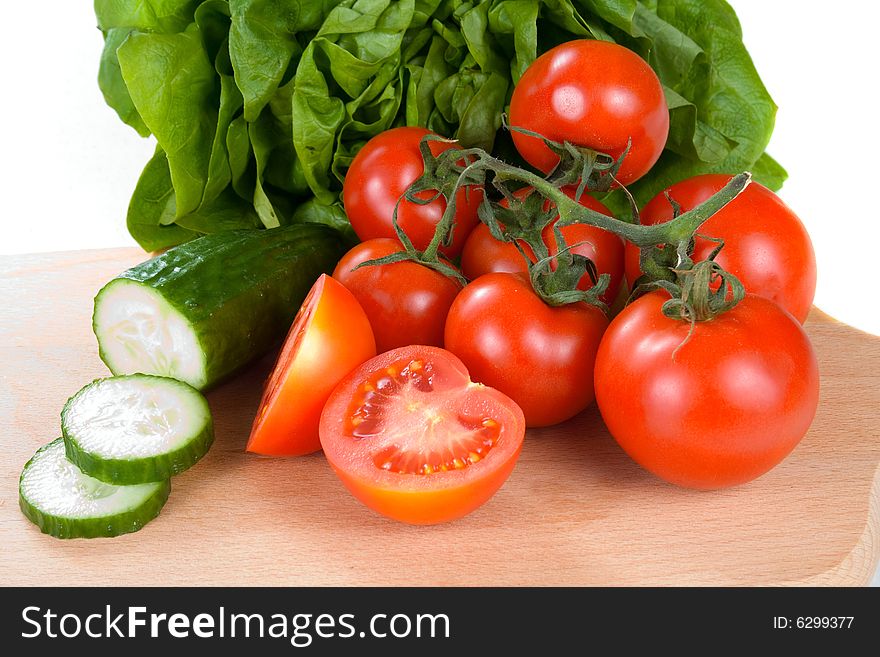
[142, 332]
[136, 429]
[202, 310]
[62, 501]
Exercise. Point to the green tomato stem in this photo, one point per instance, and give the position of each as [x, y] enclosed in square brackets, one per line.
[672, 232]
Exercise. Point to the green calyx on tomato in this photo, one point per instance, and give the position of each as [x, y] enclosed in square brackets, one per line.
[707, 417]
[406, 303]
[698, 291]
[559, 272]
[767, 246]
[573, 122]
[400, 186]
[592, 95]
[483, 254]
[556, 270]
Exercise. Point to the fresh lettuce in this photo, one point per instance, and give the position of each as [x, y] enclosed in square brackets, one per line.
[259, 106]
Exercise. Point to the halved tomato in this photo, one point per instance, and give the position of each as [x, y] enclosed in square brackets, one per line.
[414, 439]
[330, 336]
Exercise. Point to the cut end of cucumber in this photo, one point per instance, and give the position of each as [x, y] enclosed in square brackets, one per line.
[136, 428]
[62, 501]
[139, 331]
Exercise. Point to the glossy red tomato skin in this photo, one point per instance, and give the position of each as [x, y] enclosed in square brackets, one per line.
[593, 94]
[728, 406]
[540, 356]
[765, 244]
[413, 498]
[381, 172]
[330, 336]
[406, 302]
[483, 254]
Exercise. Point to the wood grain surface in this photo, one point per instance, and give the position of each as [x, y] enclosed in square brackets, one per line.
[575, 511]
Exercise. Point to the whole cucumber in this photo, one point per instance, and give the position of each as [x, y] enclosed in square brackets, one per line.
[205, 308]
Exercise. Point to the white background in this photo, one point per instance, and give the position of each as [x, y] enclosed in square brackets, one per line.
[69, 164]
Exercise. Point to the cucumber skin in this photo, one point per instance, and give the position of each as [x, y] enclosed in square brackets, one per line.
[123, 472]
[147, 470]
[240, 289]
[123, 523]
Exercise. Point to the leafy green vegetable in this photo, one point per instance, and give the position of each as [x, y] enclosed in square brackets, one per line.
[733, 114]
[769, 172]
[258, 71]
[259, 106]
[152, 210]
[113, 86]
[164, 16]
[344, 82]
[172, 84]
[313, 212]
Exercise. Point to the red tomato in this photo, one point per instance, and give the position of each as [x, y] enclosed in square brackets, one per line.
[379, 175]
[330, 336]
[540, 356]
[406, 302]
[729, 405]
[593, 94]
[412, 438]
[483, 254]
[765, 244]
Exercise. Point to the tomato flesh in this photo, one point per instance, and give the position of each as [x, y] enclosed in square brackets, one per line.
[413, 438]
[416, 428]
[330, 336]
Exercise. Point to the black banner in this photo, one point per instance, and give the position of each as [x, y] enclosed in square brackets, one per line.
[282, 621]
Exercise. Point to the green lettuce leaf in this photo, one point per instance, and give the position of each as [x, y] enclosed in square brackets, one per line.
[348, 77]
[259, 106]
[769, 172]
[112, 84]
[263, 43]
[164, 16]
[173, 86]
[152, 211]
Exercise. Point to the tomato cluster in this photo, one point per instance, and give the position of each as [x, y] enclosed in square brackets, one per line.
[473, 348]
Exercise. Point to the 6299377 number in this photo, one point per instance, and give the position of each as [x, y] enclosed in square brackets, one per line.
[813, 622]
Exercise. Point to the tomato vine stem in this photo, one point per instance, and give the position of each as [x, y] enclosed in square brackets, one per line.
[570, 211]
[665, 247]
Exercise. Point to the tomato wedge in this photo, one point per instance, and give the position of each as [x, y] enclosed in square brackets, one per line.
[414, 439]
[330, 336]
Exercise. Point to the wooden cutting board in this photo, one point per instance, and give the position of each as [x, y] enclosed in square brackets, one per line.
[575, 511]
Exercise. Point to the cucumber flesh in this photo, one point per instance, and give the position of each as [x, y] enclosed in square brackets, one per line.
[62, 501]
[142, 332]
[136, 429]
[204, 309]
